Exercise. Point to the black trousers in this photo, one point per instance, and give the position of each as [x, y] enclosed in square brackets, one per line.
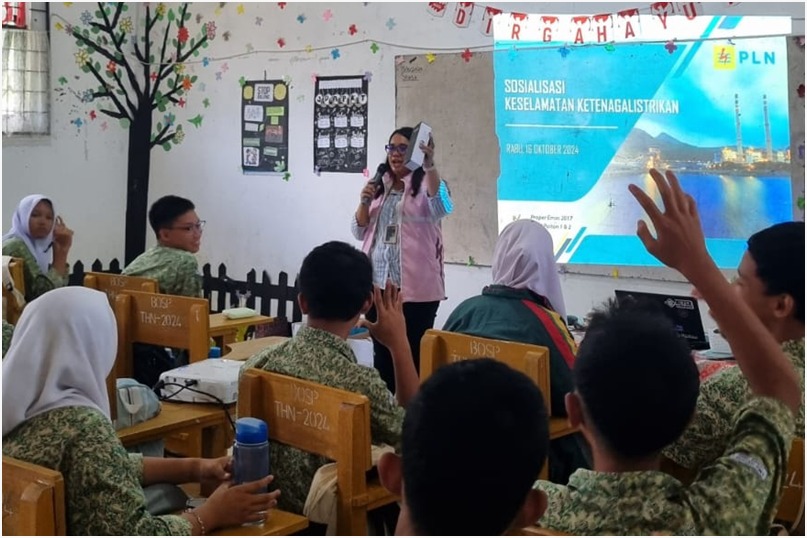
[419, 318]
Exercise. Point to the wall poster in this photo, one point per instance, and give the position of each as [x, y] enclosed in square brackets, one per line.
[340, 124]
[265, 126]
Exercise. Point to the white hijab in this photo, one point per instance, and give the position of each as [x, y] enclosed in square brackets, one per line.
[524, 258]
[61, 353]
[19, 228]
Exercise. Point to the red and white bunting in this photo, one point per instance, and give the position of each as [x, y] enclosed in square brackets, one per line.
[689, 9]
[487, 20]
[627, 21]
[462, 14]
[603, 28]
[662, 10]
[437, 9]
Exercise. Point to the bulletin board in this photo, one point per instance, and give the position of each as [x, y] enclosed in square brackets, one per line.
[340, 124]
[264, 126]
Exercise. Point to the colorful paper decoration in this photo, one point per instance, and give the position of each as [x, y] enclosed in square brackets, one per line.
[437, 9]
[462, 14]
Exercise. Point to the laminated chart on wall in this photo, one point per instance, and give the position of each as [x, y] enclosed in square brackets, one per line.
[340, 124]
[578, 124]
[265, 126]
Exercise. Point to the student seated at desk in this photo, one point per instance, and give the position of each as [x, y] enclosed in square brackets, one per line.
[56, 415]
[467, 417]
[336, 287]
[173, 265]
[635, 391]
[525, 304]
[40, 238]
[770, 280]
[172, 262]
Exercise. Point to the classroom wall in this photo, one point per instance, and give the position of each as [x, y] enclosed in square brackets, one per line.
[262, 221]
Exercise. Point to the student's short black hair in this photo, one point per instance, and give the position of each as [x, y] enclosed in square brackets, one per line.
[637, 380]
[474, 441]
[166, 210]
[336, 279]
[778, 252]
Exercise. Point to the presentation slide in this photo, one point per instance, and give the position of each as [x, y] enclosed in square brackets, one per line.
[578, 124]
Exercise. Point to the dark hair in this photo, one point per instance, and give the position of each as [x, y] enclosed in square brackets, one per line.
[474, 440]
[637, 380]
[336, 279]
[778, 252]
[166, 210]
[383, 168]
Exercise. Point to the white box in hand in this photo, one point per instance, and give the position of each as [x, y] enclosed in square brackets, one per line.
[216, 377]
[414, 155]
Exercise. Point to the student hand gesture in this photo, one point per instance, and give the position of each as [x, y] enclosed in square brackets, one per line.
[215, 471]
[62, 235]
[679, 241]
[230, 505]
[390, 328]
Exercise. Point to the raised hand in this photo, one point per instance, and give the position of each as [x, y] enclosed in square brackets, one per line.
[390, 328]
[428, 152]
[62, 235]
[679, 241]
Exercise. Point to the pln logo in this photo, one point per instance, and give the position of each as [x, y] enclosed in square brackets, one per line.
[726, 57]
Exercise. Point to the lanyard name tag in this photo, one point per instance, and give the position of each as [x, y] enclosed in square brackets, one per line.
[391, 234]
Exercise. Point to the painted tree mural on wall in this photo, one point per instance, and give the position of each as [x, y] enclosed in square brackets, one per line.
[138, 76]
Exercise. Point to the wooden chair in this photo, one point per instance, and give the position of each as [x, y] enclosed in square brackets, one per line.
[12, 310]
[112, 285]
[791, 505]
[439, 348]
[326, 421]
[165, 320]
[33, 500]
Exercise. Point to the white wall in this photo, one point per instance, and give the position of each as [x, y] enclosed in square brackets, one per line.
[262, 221]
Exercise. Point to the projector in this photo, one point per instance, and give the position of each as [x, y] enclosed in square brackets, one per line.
[208, 378]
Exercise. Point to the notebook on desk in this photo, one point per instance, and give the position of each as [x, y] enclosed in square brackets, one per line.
[683, 311]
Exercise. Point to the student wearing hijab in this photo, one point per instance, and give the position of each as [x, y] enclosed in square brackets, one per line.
[56, 415]
[43, 241]
[525, 304]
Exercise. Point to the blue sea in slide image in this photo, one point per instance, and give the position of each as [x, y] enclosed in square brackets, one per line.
[731, 208]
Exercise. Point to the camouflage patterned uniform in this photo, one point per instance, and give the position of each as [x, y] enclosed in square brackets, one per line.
[735, 495]
[8, 332]
[176, 271]
[721, 396]
[36, 282]
[103, 494]
[324, 358]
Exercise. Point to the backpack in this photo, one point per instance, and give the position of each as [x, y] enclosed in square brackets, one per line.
[137, 403]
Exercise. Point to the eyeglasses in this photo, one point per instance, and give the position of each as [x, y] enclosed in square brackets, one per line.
[199, 226]
[400, 148]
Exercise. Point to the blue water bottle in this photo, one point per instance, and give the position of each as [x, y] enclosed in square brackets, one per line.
[250, 451]
[215, 353]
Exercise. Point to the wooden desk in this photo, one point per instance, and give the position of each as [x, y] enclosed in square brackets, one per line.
[223, 329]
[277, 523]
[189, 429]
[241, 351]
